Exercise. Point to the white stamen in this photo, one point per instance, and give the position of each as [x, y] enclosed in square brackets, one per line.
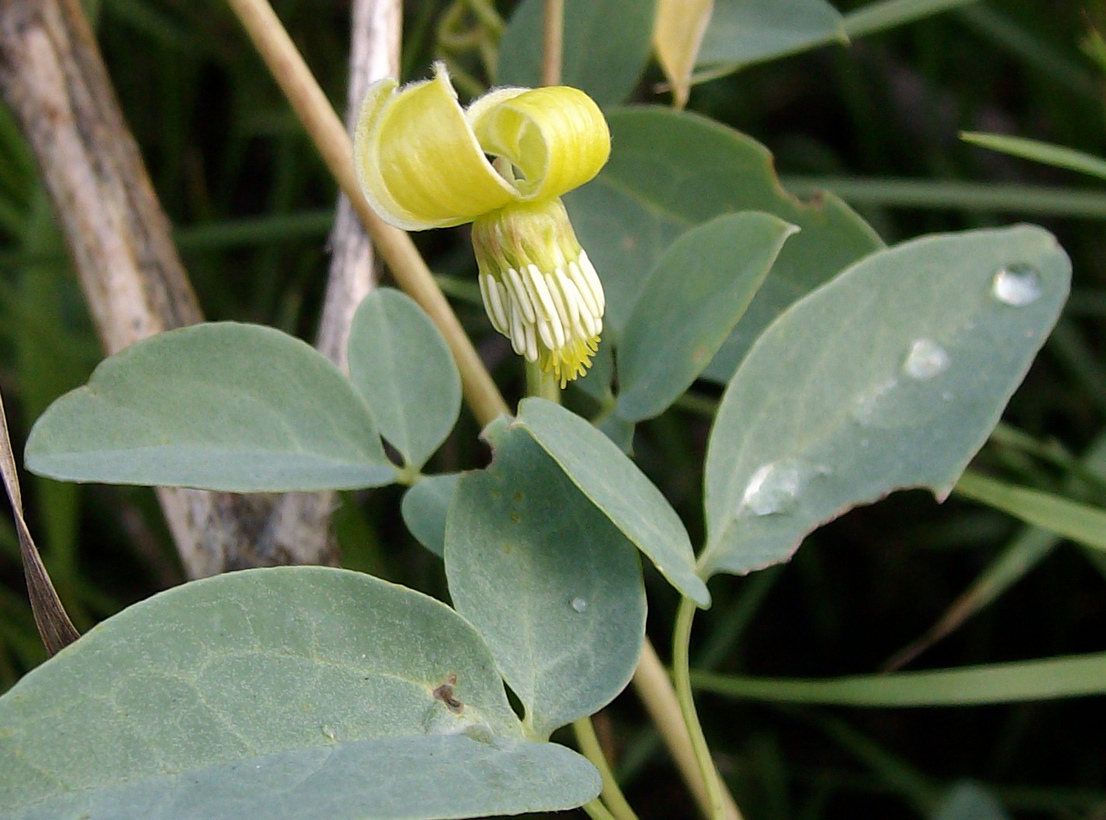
[582, 285]
[504, 301]
[518, 329]
[518, 291]
[557, 330]
[531, 344]
[562, 312]
[537, 285]
[571, 296]
[493, 304]
[593, 280]
[584, 322]
[546, 335]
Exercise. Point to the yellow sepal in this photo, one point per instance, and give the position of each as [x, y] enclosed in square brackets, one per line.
[418, 161]
[422, 159]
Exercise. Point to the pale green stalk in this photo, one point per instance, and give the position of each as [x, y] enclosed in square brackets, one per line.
[719, 807]
[597, 811]
[654, 687]
[1068, 676]
[947, 195]
[611, 795]
[1045, 153]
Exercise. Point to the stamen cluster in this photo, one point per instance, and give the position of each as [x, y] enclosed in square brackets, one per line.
[540, 289]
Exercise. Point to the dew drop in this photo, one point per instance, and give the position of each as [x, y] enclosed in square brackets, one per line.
[579, 604]
[925, 360]
[867, 405]
[775, 487]
[1016, 285]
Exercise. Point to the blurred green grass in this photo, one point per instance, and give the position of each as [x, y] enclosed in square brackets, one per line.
[878, 122]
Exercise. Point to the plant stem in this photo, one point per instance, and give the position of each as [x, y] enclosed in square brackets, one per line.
[720, 805]
[395, 246]
[597, 811]
[659, 698]
[489, 17]
[612, 795]
[553, 42]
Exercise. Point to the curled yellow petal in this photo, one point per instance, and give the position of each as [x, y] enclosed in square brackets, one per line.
[423, 161]
[556, 137]
[418, 160]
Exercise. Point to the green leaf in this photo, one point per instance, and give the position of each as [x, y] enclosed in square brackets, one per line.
[670, 171]
[890, 376]
[618, 488]
[690, 304]
[1016, 682]
[552, 586]
[425, 506]
[294, 692]
[750, 31]
[1069, 519]
[604, 60]
[403, 368]
[618, 430]
[1043, 152]
[220, 406]
[425, 778]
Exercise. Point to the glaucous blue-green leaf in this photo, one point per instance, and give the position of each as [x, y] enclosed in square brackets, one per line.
[689, 305]
[607, 44]
[618, 430]
[294, 692]
[220, 406]
[618, 488]
[424, 509]
[890, 376]
[403, 368]
[549, 582]
[750, 31]
[670, 171]
[426, 778]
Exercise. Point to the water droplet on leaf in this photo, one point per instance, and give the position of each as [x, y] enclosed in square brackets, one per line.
[925, 360]
[579, 604]
[775, 487]
[1017, 285]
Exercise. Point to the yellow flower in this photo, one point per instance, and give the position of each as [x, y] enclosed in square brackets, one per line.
[423, 162]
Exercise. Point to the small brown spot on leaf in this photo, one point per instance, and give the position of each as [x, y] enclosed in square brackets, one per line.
[444, 693]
